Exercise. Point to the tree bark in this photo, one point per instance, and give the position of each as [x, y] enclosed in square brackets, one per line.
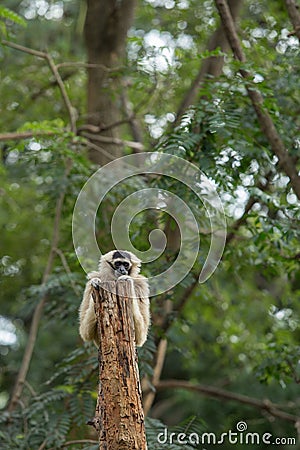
[119, 417]
[294, 14]
[106, 26]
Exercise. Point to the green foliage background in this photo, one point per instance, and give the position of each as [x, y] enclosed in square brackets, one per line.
[240, 330]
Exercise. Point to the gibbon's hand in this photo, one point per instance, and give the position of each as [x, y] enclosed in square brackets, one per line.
[125, 277]
[95, 282]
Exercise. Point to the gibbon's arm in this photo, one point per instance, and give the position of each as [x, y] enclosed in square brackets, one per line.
[141, 309]
[87, 317]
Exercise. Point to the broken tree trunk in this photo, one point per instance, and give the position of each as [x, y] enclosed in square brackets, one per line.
[119, 417]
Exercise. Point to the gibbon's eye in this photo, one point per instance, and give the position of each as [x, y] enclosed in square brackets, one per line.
[121, 263]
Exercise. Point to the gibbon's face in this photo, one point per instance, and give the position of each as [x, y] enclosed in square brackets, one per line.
[121, 263]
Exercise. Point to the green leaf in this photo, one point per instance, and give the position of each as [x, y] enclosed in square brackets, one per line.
[8, 14]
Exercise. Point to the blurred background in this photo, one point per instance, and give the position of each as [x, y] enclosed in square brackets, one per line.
[85, 82]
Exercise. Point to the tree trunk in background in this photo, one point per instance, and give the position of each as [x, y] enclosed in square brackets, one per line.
[106, 26]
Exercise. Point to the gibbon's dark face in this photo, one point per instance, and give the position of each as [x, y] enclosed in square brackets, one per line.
[121, 263]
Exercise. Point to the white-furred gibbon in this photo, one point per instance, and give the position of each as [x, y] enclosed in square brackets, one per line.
[117, 264]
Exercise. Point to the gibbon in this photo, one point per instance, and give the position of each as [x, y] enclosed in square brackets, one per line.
[116, 265]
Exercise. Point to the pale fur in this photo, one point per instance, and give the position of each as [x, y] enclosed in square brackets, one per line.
[140, 300]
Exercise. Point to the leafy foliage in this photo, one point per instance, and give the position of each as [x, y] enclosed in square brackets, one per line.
[239, 331]
[8, 16]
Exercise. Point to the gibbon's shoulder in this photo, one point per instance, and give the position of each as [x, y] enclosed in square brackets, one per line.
[140, 277]
[93, 274]
[141, 282]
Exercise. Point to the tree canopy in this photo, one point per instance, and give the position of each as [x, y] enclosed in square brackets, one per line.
[215, 83]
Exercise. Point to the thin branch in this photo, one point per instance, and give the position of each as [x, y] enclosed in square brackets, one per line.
[210, 391]
[21, 378]
[286, 162]
[293, 370]
[67, 269]
[239, 222]
[35, 95]
[99, 149]
[26, 135]
[68, 104]
[71, 110]
[114, 124]
[131, 113]
[97, 129]
[165, 322]
[160, 359]
[113, 140]
[21, 48]
[105, 139]
[211, 66]
[30, 388]
[294, 14]
[103, 151]
[43, 445]
[249, 205]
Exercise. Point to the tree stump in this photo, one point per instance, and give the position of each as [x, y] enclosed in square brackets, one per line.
[119, 417]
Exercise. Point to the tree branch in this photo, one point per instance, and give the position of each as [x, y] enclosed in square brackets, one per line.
[68, 270]
[21, 378]
[163, 319]
[70, 109]
[211, 66]
[293, 11]
[26, 135]
[238, 223]
[160, 359]
[249, 205]
[99, 149]
[210, 391]
[286, 162]
[113, 140]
